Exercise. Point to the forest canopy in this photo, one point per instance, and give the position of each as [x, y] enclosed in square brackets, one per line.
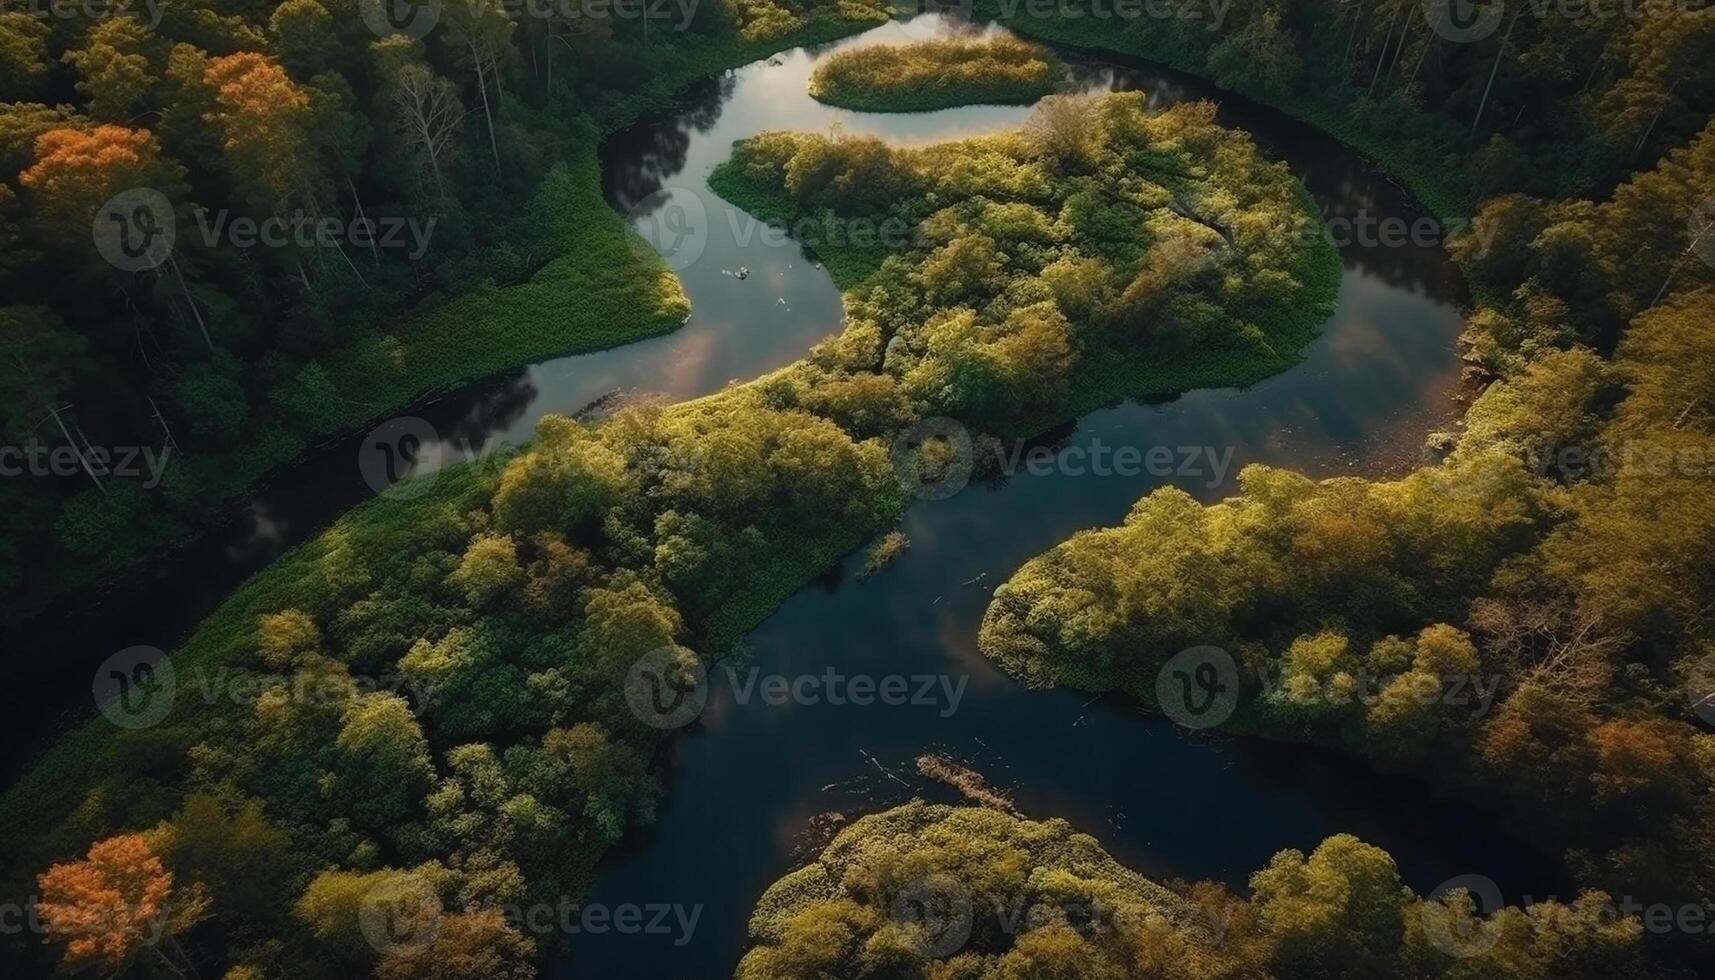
[471, 745]
[923, 891]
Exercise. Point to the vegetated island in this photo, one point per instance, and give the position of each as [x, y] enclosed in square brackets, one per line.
[468, 742]
[1097, 243]
[937, 75]
[924, 891]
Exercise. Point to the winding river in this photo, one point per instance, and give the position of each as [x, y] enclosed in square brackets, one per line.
[748, 778]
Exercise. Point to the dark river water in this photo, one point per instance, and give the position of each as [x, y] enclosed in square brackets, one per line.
[747, 778]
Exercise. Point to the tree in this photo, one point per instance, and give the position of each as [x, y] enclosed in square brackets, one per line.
[264, 121]
[427, 119]
[478, 32]
[1068, 131]
[304, 36]
[489, 569]
[118, 68]
[474, 945]
[109, 907]
[383, 760]
[1334, 914]
[75, 171]
[23, 52]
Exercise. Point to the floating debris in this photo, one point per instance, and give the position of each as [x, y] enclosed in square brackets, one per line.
[743, 272]
[967, 781]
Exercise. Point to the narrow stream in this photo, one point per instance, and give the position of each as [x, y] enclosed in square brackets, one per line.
[749, 776]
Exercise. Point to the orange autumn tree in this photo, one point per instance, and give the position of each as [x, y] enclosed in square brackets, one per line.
[109, 906]
[266, 133]
[75, 171]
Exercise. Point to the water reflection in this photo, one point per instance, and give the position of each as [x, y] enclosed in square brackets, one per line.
[745, 787]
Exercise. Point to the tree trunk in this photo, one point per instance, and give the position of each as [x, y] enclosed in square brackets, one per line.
[1428, 46]
[1352, 39]
[1399, 51]
[1655, 119]
[357, 204]
[1496, 69]
[482, 87]
[1386, 40]
[192, 303]
[74, 448]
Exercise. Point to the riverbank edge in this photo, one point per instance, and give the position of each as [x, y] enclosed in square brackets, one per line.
[567, 192]
[73, 765]
[1441, 198]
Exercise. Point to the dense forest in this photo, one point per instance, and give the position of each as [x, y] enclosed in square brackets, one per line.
[470, 746]
[357, 217]
[512, 600]
[1559, 549]
[942, 892]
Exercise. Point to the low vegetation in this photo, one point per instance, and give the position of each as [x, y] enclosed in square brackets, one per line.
[885, 552]
[429, 698]
[937, 75]
[924, 891]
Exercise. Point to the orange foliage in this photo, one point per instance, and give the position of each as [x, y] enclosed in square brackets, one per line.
[76, 170]
[265, 123]
[108, 906]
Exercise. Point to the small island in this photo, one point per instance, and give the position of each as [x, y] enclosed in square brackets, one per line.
[927, 891]
[937, 75]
